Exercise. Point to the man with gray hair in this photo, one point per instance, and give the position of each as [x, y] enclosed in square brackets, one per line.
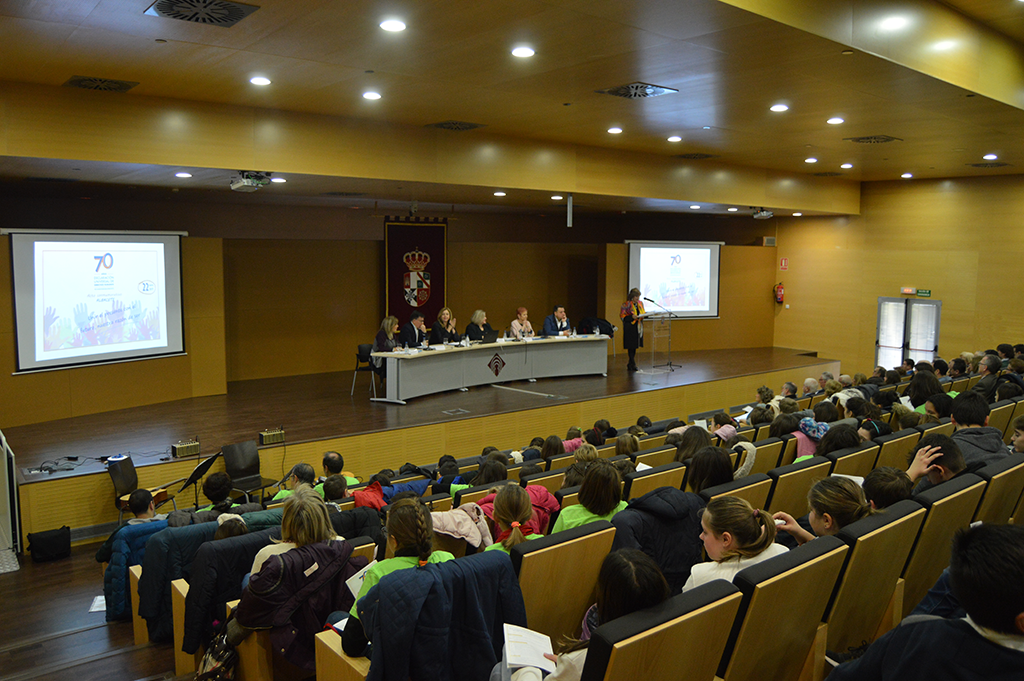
[788, 390]
[846, 380]
[810, 387]
[989, 368]
[825, 377]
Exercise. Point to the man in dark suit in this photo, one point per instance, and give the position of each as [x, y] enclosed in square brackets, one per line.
[414, 333]
[556, 323]
[989, 368]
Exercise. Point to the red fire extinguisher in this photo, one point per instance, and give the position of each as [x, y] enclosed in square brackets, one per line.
[780, 293]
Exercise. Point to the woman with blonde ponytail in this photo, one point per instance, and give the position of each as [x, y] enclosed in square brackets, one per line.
[410, 533]
[736, 536]
[512, 510]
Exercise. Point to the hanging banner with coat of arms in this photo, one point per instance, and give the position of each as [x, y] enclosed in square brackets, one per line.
[414, 266]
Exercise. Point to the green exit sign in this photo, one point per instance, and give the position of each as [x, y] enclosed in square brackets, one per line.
[924, 293]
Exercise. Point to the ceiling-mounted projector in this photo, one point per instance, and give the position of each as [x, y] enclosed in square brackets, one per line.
[763, 214]
[249, 181]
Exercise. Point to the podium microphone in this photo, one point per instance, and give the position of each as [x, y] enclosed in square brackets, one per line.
[648, 299]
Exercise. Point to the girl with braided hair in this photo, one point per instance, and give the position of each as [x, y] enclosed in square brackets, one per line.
[410, 534]
[512, 509]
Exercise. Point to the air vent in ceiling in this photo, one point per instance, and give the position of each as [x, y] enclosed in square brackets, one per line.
[103, 84]
[696, 156]
[344, 194]
[990, 164]
[872, 139]
[827, 174]
[637, 91]
[456, 126]
[211, 12]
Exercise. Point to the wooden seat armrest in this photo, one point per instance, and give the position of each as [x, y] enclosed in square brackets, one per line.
[139, 629]
[332, 662]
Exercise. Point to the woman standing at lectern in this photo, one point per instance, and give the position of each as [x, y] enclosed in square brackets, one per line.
[478, 326]
[632, 327]
[443, 330]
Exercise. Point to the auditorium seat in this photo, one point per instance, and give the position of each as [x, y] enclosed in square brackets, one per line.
[804, 403]
[1004, 482]
[791, 483]
[754, 488]
[478, 492]
[959, 384]
[788, 455]
[950, 506]
[762, 432]
[973, 381]
[681, 638]
[868, 586]
[1018, 409]
[640, 483]
[895, 449]
[815, 399]
[562, 461]
[780, 614]
[551, 481]
[437, 502]
[656, 457]
[567, 496]
[652, 441]
[558, 576]
[999, 418]
[767, 456]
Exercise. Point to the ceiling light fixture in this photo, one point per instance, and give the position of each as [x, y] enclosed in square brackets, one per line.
[707, 127]
[614, 131]
[779, 108]
[278, 180]
[694, 207]
[906, 176]
[499, 193]
[846, 166]
[894, 23]
[392, 25]
[810, 160]
[370, 94]
[992, 157]
[259, 80]
[183, 175]
[796, 215]
[733, 210]
[556, 197]
[523, 52]
[675, 138]
[835, 121]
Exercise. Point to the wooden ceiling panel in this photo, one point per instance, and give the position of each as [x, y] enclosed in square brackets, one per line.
[54, 11]
[680, 20]
[24, 41]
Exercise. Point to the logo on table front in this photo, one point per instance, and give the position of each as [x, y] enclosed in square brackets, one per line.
[416, 282]
[496, 364]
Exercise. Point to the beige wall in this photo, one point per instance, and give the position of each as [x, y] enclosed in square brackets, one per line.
[961, 238]
[45, 396]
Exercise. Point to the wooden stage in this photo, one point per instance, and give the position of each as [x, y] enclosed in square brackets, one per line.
[317, 414]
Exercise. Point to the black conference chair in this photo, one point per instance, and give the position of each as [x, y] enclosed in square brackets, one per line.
[126, 480]
[242, 462]
[363, 363]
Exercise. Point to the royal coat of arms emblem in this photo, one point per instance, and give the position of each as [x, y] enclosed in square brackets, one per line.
[416, 281]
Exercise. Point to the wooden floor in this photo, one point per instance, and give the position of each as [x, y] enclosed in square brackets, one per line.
[319, 406]
[50, 635]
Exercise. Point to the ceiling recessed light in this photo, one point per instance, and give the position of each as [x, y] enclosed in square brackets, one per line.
[894, 23]
[370, 94]
[707, 127]
[847, 53]
[499, 193]
[259, 80]
[733, 210]
[694, 207]
[810, 160]
[835, 121]
[183, 175]
[675, 138]
[796, 215]
[906, 176]
[556, 197]
[392, 25]
[990, 157]
[846, 166]
[614, 131]
[779, 108]
[160, 40]
[523, 52]
[278, 180]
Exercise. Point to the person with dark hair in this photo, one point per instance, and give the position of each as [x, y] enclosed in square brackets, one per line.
[574, 474]
[217, 488]
[937, 459]
[1005, 353]
[939, 405]
[644, 423]
[886, 399]
[986, 574]
[893, 377]
[941, 369]
[924, 366]
[141, 504]
[335, 488]
[841, 436]
[1008, 391]
[873, 428]
[692, 441]
[530, 469]
[556, 323]
[784, 424]
[600, 497]
[709, 467]
[958, 368]
[977, 440]
[860, 409]
[230, 525]
[414, 333]
[907, 366]
[491, 472]
[632, 315]
[334, 464]
[444, 330]
[604, 427]
[300, 474]
[592, 437]
[825, 412]
[553, 446]
[629, 580]
[989, 367]
[834, 503]
[758, 416]
[885, 485]
[923, 385]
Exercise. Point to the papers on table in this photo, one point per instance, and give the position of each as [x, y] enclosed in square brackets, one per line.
[526, 648]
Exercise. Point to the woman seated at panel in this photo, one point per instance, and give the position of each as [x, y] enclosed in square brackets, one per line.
[521, 327]
[385, 341]
[443, 330]
[478, 326]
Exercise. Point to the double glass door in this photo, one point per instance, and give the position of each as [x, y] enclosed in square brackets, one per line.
[906, 328]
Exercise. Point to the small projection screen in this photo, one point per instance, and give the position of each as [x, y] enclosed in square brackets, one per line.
[92, 298]
[681, 277]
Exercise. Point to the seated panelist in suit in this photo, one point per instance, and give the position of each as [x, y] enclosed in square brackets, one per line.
[478, 326]
[556, 323]
[520, 327]
[443, 330]
[413, 334]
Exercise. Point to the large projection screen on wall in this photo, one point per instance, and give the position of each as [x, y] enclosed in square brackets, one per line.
[681, 277]
[94, 298]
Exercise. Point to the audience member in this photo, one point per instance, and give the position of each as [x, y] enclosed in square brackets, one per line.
[141, 504]
[625, 444]
[810, 387]
[977, 440]
[833, 503]
[939, 405]
[511, 513]
[989, 366]
[923, 385]
[709, 467]
[300, 474]
[600, 497]
[1017, 439]
[217, 488]
[873, 428]
[937, 459]
[885, 485]
[693, 440]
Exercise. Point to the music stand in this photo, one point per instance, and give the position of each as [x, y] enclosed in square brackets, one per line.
[197, 474]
